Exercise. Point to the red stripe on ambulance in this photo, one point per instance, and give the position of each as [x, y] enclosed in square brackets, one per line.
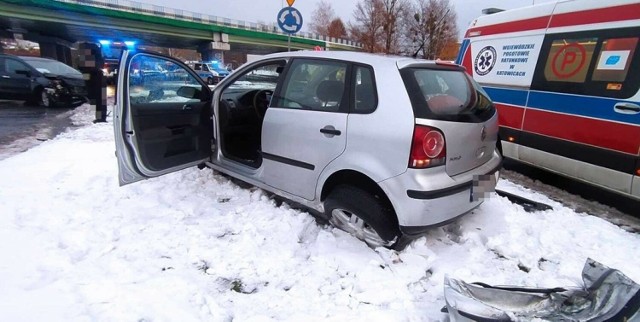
[617, 13]
[513, 26]
[611, 135]
[600, 15]
[510, 116]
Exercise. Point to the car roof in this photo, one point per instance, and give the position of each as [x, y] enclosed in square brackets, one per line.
[366, 58]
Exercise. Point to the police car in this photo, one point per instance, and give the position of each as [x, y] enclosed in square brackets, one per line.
[212, 72]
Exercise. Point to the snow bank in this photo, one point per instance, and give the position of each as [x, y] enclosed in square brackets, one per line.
[194, 246]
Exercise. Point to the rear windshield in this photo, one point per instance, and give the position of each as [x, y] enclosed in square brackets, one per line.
[446, 94]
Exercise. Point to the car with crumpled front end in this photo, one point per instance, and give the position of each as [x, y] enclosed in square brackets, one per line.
[42, 81]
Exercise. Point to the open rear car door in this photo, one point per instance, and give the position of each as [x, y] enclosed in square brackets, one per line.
[163, 117]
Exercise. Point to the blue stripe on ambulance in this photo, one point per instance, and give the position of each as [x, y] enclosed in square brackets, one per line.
[463, 50]
[588, 106]
[507, 96]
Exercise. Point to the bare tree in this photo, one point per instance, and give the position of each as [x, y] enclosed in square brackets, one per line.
[369, 24]
[432, 28]
[321, 18]
[337, 29]
[392, 23]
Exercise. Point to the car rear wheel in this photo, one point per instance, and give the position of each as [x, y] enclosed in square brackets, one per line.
[362, 215]
[210, 81]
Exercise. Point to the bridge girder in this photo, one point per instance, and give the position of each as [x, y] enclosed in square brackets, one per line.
[71, 22]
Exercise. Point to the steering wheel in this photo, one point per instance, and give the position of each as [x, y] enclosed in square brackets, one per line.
[261, 100]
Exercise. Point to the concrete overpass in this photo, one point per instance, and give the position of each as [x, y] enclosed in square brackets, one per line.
[56, 25]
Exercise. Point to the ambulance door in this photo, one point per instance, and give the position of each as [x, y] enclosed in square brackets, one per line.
[583, 111]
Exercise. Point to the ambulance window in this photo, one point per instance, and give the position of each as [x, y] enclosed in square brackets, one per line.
[615, 59]
[595, 63]
[569, 59]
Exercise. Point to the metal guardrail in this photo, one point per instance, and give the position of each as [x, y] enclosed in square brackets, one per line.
[160, 11]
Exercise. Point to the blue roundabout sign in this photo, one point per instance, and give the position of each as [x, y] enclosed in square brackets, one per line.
[290, 20]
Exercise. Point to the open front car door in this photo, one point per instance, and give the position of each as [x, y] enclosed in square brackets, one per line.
[163, 118]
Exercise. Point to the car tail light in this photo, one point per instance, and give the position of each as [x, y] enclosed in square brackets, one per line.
[428, 148]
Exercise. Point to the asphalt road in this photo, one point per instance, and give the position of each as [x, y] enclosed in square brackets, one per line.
[581, 197]
[22, 127]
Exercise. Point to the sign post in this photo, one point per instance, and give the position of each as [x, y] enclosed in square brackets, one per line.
[290, 21]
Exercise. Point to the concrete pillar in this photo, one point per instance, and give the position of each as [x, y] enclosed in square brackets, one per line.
[54, 50]
[4, 34]
[215, 49]
[64, 54]
[212, 54]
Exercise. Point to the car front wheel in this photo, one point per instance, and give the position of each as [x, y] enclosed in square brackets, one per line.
[44, 99]
[362, 215]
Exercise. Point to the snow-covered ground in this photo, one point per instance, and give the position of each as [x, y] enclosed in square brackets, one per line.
[193, 246]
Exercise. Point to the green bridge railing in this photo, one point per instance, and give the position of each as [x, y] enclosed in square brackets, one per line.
[184, 15]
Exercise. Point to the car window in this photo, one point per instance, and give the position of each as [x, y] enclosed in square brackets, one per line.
[253, 88]
[314, 84]
[12, 65]
[265, 76]
[365, 98]
[150, 81]
[446, 94]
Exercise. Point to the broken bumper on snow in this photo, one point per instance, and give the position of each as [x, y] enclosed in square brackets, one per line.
[607, 295]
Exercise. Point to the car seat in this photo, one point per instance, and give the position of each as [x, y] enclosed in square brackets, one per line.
[329, 91]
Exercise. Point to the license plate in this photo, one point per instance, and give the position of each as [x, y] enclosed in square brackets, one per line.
[482, 186]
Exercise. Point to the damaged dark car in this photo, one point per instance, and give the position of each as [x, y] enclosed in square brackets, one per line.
[41, 81]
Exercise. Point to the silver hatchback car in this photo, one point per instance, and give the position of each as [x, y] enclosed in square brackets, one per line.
[382, 147]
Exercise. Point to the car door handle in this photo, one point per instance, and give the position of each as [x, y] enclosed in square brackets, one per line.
[186, 107]
[627, 108]
[5, 76]
[330, 131]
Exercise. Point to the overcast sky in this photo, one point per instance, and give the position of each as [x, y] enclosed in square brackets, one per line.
[267, 10]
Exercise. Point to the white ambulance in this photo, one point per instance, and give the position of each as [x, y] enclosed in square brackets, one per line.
[565, 78]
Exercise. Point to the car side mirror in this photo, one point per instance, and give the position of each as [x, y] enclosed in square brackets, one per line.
[23, 72]
[188, 92]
